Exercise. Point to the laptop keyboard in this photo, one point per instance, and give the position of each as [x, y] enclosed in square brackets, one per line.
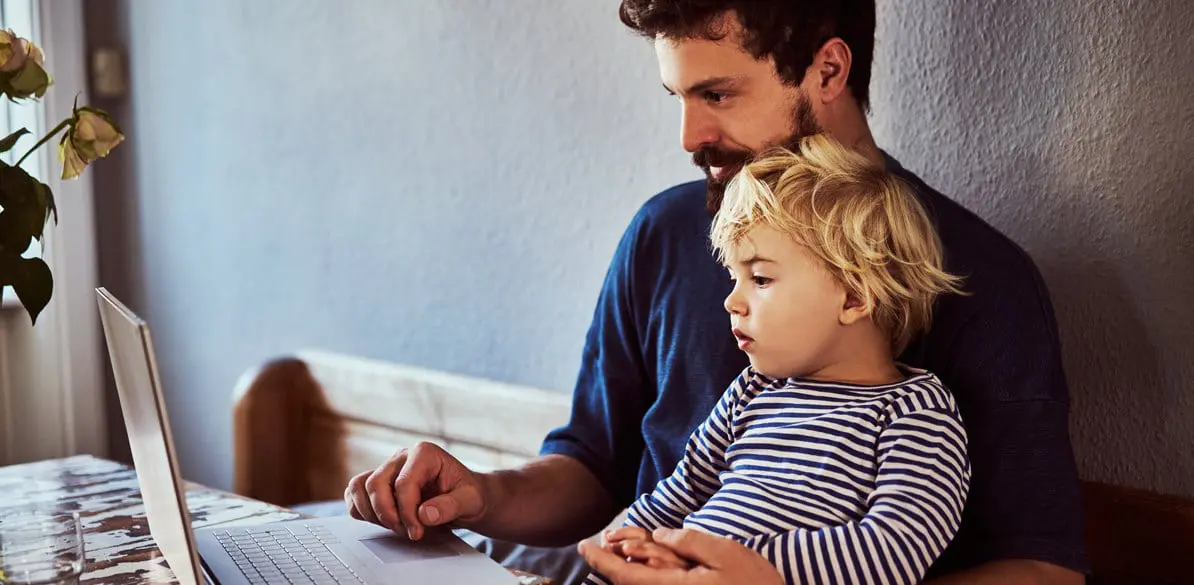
[295, 554]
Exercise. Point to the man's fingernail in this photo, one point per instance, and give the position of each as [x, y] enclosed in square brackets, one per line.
[431, 513]
[410, 532]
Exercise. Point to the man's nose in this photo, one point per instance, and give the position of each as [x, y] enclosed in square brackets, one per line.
[697, 128]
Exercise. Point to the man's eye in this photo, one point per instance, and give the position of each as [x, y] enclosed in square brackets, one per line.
[761, 280]
[715, 97]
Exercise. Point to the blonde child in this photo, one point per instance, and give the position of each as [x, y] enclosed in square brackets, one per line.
[825, 456]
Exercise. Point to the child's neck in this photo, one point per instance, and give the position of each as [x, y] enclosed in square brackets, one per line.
[876, 374]
[863, 358]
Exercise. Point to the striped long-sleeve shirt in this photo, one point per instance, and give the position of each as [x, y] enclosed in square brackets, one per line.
[831, 483]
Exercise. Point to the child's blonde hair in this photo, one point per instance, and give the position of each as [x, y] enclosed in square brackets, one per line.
[864, 223]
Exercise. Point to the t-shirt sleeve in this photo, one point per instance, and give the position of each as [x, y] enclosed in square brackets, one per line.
[613, 390]
[1005, 369]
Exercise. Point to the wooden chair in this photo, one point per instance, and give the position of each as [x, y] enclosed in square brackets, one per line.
[305, 425]
[1136, 537]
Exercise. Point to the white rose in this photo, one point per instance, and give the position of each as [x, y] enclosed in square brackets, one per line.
[92, 135]
[12, 51]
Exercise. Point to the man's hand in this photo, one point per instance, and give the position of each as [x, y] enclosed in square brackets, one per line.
[423, 486]
[718, 561]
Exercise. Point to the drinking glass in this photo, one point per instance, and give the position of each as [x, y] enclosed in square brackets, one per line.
[39, 546]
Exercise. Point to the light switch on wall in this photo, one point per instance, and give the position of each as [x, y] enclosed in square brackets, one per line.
[107, 73]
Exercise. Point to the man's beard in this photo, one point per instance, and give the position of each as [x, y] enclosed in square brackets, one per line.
[803, 124]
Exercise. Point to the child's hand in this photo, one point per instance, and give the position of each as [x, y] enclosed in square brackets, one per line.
[613, 540]
[635, 545]
[653, 555]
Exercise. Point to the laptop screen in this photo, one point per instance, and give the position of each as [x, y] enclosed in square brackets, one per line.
[130, 350]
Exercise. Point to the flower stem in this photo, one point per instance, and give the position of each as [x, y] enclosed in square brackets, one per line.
[45, 139]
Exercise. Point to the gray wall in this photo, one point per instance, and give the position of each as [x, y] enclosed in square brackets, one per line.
[442, 183]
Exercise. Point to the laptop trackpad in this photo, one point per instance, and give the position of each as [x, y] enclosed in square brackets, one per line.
[392, 549]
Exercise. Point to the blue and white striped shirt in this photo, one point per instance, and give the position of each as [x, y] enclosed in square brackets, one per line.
[831, 483]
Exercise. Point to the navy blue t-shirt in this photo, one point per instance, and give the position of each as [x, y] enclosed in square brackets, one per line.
[659, 354]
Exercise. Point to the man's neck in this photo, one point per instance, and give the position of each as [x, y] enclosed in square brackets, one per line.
[847, 124]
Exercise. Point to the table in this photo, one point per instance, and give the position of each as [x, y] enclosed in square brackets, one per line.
[120, 550]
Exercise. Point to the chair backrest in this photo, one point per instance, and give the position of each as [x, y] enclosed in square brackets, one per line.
[303, 426]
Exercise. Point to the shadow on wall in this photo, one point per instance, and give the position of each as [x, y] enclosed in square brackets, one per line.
[1074, 139]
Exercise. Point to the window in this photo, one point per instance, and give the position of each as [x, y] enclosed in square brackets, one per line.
[21, 16]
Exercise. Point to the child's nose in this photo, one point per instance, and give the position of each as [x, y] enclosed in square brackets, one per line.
[733, 304]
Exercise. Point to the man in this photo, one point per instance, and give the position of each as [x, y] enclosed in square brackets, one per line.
[659, 353]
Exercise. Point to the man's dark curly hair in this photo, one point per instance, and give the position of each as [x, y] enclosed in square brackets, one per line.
[791, 31]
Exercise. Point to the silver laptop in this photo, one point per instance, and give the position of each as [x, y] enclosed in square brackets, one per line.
[325, 550]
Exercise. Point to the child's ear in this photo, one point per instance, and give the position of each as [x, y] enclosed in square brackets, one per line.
[855, 309]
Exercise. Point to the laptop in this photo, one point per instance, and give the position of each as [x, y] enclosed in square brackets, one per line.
[316, 551]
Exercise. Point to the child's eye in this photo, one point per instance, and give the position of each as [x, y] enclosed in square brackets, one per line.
[761, 280]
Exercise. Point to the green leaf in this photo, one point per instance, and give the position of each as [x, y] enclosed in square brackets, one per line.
[8, 266]
[34, 285]
[16, 232]
[5, 195]
[45, 198]
[28, 203]
[11, 140]
[17, 185]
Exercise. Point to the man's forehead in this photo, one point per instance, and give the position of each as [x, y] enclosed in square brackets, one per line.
[727, 48]
[685, 63]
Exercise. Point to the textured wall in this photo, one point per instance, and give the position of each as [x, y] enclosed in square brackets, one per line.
[1068, 125]
[442, 183]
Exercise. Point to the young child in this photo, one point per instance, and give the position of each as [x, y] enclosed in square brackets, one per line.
[825, 456]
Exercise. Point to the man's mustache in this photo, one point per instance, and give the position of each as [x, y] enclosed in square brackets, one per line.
[708, 156]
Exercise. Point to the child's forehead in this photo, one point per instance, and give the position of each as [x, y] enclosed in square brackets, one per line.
[741, 249]
[761, 241]
[773, 248]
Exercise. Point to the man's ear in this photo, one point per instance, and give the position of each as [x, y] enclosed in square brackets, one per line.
[826, 77]
[856, 308]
